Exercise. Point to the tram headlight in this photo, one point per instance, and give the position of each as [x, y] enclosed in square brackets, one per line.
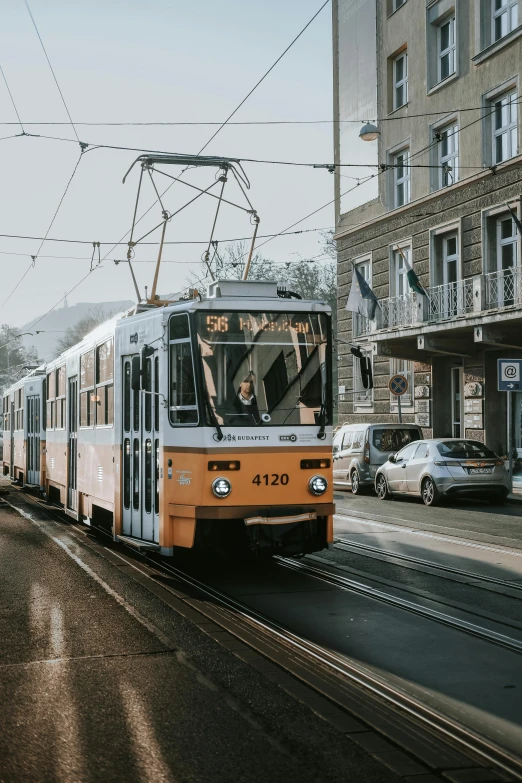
[318, 485]
[221, 487]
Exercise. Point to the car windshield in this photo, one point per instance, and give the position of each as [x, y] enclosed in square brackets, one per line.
[464, 449]
[264, 368]
[393, 438]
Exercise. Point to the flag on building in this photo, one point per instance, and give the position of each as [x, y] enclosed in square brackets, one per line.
[361, 300]
[413, 280]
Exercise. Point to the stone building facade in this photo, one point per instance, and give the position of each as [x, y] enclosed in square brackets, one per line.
[447, 103]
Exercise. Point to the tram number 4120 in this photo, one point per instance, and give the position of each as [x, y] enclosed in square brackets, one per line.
[271, 478]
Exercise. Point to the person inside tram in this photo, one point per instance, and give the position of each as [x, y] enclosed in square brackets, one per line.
[245, 402]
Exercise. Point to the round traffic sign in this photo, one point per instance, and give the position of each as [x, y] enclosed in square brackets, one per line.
[398, 385]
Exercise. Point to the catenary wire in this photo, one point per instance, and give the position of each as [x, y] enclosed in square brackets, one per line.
[173, 242]
[175, 123]
[52, 70]
[12, 100]
[34, 257]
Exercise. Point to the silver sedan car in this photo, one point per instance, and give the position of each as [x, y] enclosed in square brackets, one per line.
[445, 467]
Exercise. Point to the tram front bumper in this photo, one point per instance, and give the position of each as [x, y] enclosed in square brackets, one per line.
[270, 529]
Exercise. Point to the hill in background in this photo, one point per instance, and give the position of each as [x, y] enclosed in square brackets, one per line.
[54, 325]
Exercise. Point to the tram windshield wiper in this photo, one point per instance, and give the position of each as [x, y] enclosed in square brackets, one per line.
[322, 421]
[213, 417]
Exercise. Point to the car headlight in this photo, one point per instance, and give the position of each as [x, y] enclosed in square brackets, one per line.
[221, 487]
[318, 485]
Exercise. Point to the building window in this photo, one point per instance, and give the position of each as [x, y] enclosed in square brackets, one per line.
[104, 396]
[401, 178]
[399, 280]
[447, 48]
[450, 259]
[397, 4]
[406, 369]
[503, 285]
[361, 324]
[505, 127]
[504, 17]
[448, 155]
[400, 80]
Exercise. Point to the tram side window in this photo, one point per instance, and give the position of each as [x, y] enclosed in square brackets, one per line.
[105, 384]
[183, 407]
[87, 389]
[51, 402]
[19, 409]
[59, 404]
[5, 411]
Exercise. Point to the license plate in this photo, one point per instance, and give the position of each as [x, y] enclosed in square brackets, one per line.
[480, 470]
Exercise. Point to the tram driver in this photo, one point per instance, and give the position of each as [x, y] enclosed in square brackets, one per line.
[245, 401]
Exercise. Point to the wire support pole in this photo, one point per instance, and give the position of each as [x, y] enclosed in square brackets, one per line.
[52, 71]
[249, 260]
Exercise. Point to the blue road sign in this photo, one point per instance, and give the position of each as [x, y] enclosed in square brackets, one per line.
[398, 385]
[509, 374]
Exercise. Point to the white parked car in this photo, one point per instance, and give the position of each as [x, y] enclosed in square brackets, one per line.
[444, 467]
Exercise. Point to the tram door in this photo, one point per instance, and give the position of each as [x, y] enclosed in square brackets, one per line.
[141, 450]
[33, 439]
[72, 442]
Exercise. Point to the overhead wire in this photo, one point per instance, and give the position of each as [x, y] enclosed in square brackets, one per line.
[34, 257]
[175, 123]
[52, 69]
[13, 102]
[201, 150]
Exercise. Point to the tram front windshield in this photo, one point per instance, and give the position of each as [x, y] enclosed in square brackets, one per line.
[265, 369]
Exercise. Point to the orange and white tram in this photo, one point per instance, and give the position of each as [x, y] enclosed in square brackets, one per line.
[204, 422]
[24, 430]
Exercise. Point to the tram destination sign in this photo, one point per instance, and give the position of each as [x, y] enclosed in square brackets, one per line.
[509, 374]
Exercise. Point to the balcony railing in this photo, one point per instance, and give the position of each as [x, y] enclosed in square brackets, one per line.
[398, 311]
[361, 325]
[503, 288]
[450, 300]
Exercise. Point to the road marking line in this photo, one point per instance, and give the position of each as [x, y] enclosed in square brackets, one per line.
[436, 537]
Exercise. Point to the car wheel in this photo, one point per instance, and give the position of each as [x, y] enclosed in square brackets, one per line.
[356, 482]
[381, 487]
[430, 493]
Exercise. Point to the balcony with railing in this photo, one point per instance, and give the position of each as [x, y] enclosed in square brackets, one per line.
[503, 288]
[460, 300]
[450, 300]
[398, 311]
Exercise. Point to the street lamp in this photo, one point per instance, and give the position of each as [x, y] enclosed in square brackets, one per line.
[369, 132]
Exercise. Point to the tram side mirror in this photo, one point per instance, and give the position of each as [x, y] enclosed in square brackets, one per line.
[136, 373]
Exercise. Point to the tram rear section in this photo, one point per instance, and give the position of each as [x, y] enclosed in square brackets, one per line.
[202, 423]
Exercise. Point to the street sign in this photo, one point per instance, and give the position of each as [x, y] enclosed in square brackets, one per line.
[509, 374]
[398, 385]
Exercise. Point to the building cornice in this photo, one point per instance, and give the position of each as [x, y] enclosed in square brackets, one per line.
[512, 163]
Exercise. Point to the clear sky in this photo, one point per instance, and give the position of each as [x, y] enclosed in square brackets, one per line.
[154, 60]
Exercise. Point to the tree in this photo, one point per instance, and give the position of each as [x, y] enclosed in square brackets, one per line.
[14, 358]
[75, 334]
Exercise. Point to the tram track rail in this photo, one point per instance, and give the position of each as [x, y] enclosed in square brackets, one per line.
[342, 671]
[355, 586]
[446, 728]
[388, 556]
